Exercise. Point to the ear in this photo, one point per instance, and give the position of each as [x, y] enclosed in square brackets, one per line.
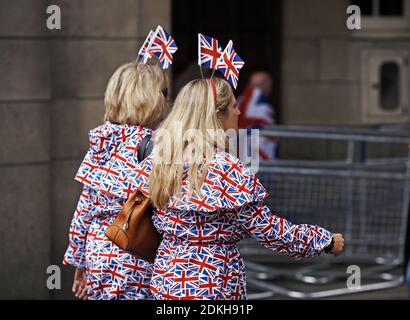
[219, 114]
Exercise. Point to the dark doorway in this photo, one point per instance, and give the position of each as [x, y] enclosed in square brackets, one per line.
[253, 26]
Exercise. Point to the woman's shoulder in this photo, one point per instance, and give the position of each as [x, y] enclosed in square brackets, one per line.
[221, 163]
[224, 162]
[105, 141]
[109, 134]
[228, 184]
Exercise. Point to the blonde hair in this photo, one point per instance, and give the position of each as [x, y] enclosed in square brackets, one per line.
[195, 108]
[134, 95]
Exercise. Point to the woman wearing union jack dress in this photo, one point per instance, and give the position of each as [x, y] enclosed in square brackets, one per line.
[205, 202]
[135, 102]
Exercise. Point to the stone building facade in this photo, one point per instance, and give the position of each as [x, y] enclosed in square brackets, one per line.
[335, 76]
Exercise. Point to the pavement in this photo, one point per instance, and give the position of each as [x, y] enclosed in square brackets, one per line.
[322, 280]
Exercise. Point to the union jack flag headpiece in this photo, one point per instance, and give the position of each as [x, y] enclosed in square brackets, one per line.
[209, 51]
[229, 64]
[163, 46]
[143, 54]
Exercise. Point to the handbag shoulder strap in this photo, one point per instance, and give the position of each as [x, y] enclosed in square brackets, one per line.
[145, 148]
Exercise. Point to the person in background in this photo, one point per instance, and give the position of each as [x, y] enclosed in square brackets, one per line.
[258, 113]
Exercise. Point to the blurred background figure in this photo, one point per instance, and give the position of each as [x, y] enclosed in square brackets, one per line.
[258, 113]
[263, 81]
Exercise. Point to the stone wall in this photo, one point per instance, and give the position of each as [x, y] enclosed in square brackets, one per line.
[51, 94]
[316, 86]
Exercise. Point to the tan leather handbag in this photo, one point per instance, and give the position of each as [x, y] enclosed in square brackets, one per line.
[133, 230]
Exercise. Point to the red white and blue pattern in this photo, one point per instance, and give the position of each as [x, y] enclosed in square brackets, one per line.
[163, 46]
[230, 63]
[209, 51]
[255, 109]
[198, 257]
[257, 113]
[111, 272]
[143, 54]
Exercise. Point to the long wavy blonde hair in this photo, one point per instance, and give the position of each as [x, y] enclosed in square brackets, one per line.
[135, 95]
[193, 114]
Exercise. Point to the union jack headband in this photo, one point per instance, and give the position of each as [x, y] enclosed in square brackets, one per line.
[209, 51]
[229, 64]
[213, 87]
[143, 54]
[160, 44]
[210, 55]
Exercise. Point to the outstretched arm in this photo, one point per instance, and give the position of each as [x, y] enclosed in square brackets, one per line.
[299, 241]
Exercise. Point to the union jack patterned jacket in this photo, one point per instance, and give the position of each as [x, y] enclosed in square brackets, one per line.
[111, 272]
[198, 257]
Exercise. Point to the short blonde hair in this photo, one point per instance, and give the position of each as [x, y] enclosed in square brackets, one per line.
[135, 95]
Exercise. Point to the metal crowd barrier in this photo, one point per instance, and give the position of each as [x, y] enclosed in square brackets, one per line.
[365, 199]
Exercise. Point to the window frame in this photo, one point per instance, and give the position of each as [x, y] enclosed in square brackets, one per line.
[371, 60]
[376, 21]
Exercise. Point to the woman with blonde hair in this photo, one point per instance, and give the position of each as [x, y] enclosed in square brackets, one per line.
[135, 103]
[206, 200]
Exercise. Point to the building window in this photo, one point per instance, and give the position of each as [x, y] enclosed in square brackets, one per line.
[389, 86]
[385, 85]
[385, 18]
[384, 8]
[391, 8]
[366, 6]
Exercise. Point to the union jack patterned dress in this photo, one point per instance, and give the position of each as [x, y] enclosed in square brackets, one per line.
[111, 272]
[198, 257]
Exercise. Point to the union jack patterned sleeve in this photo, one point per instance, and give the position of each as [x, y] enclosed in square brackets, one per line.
[299, 241]
[75, 253]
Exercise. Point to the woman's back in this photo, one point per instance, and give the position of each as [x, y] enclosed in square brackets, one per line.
[111, 151]
[228, 185]
[198, 257]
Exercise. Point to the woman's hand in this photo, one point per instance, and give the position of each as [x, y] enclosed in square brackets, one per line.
[80, 284]
[339, 244]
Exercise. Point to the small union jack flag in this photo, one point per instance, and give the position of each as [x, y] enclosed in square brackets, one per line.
[143, 55]
[229, 64]
[209, 51]
[163, 46]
